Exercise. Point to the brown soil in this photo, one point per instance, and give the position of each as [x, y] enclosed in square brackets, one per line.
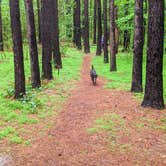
[68, 143]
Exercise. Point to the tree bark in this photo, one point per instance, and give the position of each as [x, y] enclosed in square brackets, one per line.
[94, 21]
[116, 29]
[74, 22]
[77, 24]
[86, 27]
[1, 32]
[138, 47]
[35, 72]
[112, 38]
[39, 20]
[46, 39]
[126, 42]
[99, 28]
[17, 48]
[55, 35]
[105, 32]
[154, 79]
[68, 24]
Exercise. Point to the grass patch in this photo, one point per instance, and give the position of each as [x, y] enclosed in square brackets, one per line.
[25, 120]
[111, 124]
[163, 120]
[5, 132]
[140, 125]
[28, 142]
[38, 104]
[16, 140]
[163, 124]
[121, 79]
[159, 124]
[163, 127]
[116, 80]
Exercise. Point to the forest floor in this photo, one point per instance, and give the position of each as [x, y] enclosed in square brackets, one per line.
[97, 127]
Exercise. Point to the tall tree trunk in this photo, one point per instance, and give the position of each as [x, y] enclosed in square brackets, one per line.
[99, 28]
[39, 20]
[55, 35]
[35, 72]
[86, 26]
[126, 42]
[116, 29]
[105, 32]
[94, 21]
[154, 79]
[68, 24]
[46, 39]
[91, 19]
[1, 33]
[18, 49]
[78, 18]
[77, 24]
[74, 22]
[138, 47]
[112, 38]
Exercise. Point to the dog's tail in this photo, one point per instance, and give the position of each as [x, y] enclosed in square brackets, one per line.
[92, 67]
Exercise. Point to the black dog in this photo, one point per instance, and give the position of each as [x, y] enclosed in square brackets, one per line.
[93, 75]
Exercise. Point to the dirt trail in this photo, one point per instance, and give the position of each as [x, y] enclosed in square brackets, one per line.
[69, 144]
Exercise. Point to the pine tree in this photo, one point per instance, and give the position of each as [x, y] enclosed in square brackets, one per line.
[77, 24]
[116, 29]
[46, 18]
[68, 24]
[154, 79]
[86, 26]
[94, 21]
[105, 32]
[1, 33]
[99, 28]
[55, 35]
[39, 19]
[126, 42]
[112, 38]
[35, 72]
[17, 48]
[138, 47]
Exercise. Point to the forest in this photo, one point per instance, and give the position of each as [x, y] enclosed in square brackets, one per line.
[83, 82]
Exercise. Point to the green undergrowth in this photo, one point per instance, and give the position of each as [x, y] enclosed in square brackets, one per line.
[38, 104]
[121, 79]
[116, 80]
[114, 127]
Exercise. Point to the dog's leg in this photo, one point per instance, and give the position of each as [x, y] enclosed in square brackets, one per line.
[93, 80]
